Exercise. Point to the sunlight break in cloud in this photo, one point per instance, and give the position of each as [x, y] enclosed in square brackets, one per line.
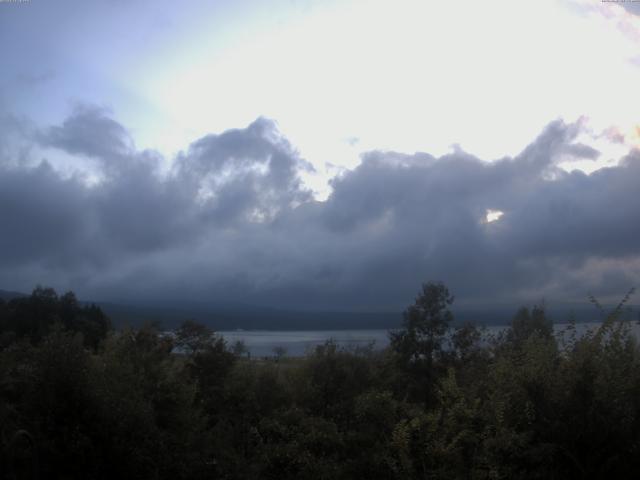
[493, 215]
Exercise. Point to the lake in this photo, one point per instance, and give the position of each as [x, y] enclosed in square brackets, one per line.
[296, 343]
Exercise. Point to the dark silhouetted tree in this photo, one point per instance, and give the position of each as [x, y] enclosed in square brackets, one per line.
[192, 337]
[525, 323]
[419, 344]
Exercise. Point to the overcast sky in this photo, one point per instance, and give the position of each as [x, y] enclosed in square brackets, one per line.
[314, 154]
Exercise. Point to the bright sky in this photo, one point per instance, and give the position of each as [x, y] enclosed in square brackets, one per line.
[339, 77]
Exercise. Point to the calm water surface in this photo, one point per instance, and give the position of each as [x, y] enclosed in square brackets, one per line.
[261, 343]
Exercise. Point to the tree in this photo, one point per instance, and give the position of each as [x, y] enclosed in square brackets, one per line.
[418, 345]
[526, 323]
[239, 348]
[279, 351]
[35, 316]
[193, 337]
[466, 341]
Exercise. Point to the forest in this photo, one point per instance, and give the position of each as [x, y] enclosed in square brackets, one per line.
[82, 400]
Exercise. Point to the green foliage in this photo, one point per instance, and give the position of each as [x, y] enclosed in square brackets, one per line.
[35, 316]
[192, 337]
[527, 323]
[418, 346]
[239, 348]
[80, 401]
[425, 324]
[333, 379]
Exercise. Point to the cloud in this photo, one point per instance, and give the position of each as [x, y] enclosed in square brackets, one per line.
[581, 151]
[232, 221]
[16, 139]
[42, 217]
[631, 7]
[90, 131]
[250, 173]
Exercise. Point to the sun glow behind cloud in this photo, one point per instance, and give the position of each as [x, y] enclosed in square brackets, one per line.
[343, 78]
[493, 215]
[406, 76]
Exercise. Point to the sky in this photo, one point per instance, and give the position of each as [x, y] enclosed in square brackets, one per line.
[320, 154]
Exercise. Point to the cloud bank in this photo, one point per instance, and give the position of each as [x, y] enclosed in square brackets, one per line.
[232, 221]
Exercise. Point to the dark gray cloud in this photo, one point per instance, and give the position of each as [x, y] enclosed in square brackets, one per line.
[232, 221]
[90, 131]
[581, 151]
[16, 138]
[250, 173]
[631, 6]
